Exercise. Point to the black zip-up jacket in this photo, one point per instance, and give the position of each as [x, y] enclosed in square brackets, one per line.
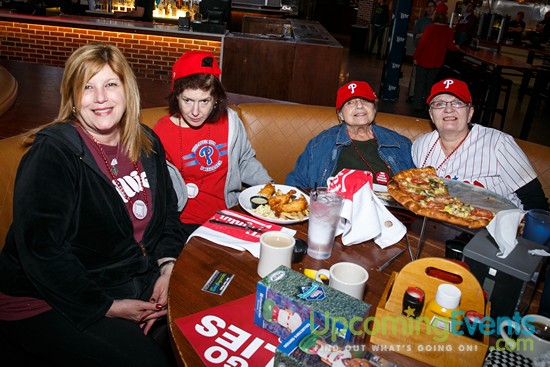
[71, 242]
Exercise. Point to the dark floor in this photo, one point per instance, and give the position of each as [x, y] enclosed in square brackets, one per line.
[38, 96]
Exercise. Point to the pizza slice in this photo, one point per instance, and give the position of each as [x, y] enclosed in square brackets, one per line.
[421, 191]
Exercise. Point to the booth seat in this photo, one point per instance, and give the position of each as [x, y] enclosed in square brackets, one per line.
[8, 92]
[278, 132]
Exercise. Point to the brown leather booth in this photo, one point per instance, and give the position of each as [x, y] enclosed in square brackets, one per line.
[278, 133]
[8, 92]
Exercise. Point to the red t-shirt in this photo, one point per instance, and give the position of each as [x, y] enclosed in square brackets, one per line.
[432, 48]
[201, 157]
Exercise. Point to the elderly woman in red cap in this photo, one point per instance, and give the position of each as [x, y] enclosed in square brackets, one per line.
[356, 143]
[472, 153]
[206, 140]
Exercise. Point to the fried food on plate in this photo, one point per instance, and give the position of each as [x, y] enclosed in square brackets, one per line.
[280, 199]
[283, 205]
[297, 205]
[267, 191]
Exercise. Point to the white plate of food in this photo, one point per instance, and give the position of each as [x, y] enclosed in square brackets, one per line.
[289, 198]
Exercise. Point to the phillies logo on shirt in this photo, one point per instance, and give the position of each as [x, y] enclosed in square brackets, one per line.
[207, 154]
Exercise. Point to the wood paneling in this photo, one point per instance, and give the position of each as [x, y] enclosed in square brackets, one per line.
[284, 69]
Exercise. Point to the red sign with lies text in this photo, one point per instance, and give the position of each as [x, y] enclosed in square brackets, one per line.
[227, 336]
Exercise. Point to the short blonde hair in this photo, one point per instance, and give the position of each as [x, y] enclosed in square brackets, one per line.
[81, 66]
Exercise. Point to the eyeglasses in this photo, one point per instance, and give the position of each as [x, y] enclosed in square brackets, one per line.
[439, 105]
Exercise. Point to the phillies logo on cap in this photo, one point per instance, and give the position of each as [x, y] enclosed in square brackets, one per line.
[452, 86]
[448, 83]
[354, 89]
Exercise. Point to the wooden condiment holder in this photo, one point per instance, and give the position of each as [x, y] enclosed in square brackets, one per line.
[419, 340]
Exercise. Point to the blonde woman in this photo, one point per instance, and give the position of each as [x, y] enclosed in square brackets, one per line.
[86, 264]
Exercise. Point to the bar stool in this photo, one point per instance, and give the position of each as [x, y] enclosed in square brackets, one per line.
[505, 85]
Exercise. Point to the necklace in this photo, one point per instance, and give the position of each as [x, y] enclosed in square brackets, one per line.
[447, 157]
[192, 188]
[139, 207]
[381, 177]
[114, 161]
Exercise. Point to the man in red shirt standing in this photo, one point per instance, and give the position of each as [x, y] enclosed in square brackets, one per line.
[429, 57]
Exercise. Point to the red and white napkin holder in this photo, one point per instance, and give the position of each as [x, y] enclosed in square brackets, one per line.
[364, 216]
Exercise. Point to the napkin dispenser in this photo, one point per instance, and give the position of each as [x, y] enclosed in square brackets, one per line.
[509, 282]
[286, 299]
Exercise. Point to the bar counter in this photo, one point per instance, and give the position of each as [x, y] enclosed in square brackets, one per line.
[151, 48]
[301, 48]
[107, 23]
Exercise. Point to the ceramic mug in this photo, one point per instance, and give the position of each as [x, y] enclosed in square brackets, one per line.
[534, 335]
[346, 277]
[276, 249]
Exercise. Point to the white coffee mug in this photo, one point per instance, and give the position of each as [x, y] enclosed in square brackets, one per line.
[276, 249]
[534, 337]
[346, 277]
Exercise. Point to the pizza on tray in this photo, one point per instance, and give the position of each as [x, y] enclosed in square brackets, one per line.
[422, 192]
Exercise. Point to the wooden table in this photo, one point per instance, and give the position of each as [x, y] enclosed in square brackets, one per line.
[495, 62]
[201, 257]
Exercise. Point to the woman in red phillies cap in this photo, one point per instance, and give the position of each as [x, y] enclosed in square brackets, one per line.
[472, 153]
[356, 143]
[206, 140]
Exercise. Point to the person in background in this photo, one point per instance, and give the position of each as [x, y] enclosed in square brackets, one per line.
[380, 20]
[206, 140]
[143, 11]
[516, 28]
[356, 143]
[534, 38]
[86, 264]
[545, 23]
[467, 26]
[429, 57]
[441, 7]
[481, 156]
[419, 26]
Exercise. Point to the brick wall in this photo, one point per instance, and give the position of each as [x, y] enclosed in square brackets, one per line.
[364, 14]
[151, 56]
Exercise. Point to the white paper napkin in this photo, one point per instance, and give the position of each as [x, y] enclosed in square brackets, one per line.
[504, 228]
[543, 253]
[237, 238]
[364, 216]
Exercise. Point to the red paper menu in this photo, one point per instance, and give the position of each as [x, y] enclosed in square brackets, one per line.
[240, 219]
[226, 335]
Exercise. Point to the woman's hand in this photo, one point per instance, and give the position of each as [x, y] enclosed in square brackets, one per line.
[135, 310]
[159, 297]
[145, 313]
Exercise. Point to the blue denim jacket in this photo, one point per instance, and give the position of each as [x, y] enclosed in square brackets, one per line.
[319, 159]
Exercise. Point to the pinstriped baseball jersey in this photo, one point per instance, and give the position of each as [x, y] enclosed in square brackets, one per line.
[487, 158]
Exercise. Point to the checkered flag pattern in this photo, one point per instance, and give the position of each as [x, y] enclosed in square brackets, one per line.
[504, 358]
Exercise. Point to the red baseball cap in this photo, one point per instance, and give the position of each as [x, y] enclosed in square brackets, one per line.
[451, 86]
[354, 90]
[193, 62]
[441, 8]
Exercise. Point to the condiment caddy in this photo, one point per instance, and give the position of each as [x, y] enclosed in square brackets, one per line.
[393, 330]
